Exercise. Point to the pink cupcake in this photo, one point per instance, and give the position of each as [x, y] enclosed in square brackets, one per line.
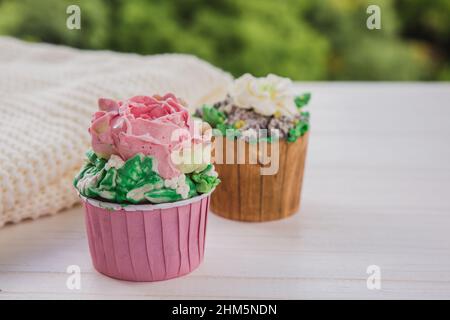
[145, 186]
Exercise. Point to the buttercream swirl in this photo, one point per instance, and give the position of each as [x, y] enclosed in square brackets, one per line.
[146, 150]
[156, 126]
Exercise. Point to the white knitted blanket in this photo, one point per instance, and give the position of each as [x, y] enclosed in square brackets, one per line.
[47, 96]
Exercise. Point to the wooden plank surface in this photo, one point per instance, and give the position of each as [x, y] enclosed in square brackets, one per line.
[376, 192]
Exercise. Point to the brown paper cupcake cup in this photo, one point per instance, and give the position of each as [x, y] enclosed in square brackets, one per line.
[246, 195]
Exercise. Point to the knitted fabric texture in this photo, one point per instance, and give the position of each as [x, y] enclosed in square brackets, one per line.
[47, 96]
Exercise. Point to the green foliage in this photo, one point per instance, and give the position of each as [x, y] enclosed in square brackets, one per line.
[363, 54]
[427, 19]
[304, 40]
[45, 20]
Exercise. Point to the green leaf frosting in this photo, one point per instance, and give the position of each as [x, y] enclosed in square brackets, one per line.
[205, 181]
[302, 100]
[213, 116]
[135, 181]
[298, 131]
[163, 195]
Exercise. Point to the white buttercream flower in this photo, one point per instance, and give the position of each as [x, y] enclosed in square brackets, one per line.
[179, 184]
[267, 96]
[183, 191]
[171, 183]
[114, 162]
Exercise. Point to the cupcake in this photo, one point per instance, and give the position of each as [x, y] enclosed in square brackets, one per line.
[261, 137]
[146, 186]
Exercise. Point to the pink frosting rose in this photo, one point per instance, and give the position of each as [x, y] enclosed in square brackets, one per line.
[154, 126]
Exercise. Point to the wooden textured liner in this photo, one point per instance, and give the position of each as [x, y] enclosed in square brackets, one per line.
[244, 194]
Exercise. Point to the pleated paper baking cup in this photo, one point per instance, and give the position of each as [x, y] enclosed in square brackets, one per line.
[246, 195]
[147, 242]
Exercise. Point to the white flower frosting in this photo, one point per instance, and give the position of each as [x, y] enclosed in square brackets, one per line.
[114, 162]
[267, 96]
[179, 184]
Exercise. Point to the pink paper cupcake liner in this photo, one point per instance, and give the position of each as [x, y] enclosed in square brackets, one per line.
[147, 242]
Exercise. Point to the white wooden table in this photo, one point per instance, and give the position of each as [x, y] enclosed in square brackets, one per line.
[376, 192]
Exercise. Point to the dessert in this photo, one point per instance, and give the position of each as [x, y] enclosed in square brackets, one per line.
[145, 186]
[142, 151]
[269, 118]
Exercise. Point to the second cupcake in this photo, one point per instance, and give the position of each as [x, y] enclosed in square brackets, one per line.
[261, 132]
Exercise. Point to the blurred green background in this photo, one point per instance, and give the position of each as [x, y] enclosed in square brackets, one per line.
[304, 40]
